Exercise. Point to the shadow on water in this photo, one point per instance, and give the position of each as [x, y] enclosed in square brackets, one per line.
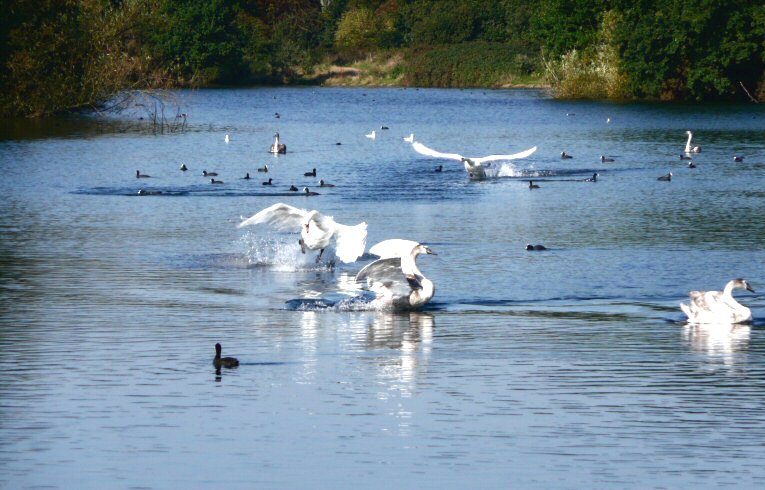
[72, 126]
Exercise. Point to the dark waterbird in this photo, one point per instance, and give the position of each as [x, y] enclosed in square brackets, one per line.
[139, 175]
[264, 168]
[691, 165]
[440, 168]
[531, 247]
[293, 188]
[737, 158]
[209, 174]
[565, 155]
[603, 159]
[312, 173]
[594, 178]
[226, 362]
[213, 181]
[246, 176]
[325, 184]
[184, 167]
[666, 178]
[268, 182]
[532, 185]
[308, 192]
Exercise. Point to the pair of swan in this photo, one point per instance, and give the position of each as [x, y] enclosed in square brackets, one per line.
[394, 278]
[718, 307]
[474, 166]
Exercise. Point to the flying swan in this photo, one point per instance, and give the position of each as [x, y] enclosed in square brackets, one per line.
[718, 307]
[316, 230]
[475, 165]
[395, 278]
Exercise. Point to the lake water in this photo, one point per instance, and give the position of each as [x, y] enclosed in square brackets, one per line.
[569, 368]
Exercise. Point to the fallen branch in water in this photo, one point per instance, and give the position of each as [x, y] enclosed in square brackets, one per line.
[747, 93]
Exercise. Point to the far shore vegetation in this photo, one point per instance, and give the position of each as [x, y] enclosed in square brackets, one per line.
[64, 55]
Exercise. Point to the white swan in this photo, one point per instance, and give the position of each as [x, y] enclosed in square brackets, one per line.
[410, 138]
[395, 278]
[371, 135]
[475, 165]
[688, 147]
[316, 230]
[227, 139]
[718, 307]
[277, 147]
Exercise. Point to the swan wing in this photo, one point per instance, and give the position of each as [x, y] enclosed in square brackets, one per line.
[514, 156]
[706, 300]
[281, 216]
[424, 150]
[350, 241]
[395, 247]
[385, 277]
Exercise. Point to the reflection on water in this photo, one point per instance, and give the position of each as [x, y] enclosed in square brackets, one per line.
[720, 342]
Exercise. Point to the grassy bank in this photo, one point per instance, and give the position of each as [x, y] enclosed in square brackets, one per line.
[490, 65]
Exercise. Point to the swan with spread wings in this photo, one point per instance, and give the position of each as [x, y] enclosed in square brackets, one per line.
[395, 278]
[316, 230]
[475, 166]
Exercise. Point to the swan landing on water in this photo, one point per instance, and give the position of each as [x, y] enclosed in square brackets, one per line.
[316, 230]
[475, 166]
[395, 278]
[718, 307]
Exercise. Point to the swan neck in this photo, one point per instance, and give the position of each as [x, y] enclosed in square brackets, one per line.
[728, 291]
[409, 264]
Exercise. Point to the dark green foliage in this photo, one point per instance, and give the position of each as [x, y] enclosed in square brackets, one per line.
[432, 22]
[693, 49]
[59, 54]
[201, 38]
[559, 26]
[475, 64]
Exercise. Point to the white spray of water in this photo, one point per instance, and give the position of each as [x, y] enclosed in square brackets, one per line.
[282, 253]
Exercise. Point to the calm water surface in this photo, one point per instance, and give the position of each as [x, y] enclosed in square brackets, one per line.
[569, 368]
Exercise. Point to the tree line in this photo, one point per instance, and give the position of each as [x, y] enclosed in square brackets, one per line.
[58, 55]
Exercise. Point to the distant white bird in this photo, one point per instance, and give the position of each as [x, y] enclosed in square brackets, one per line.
[718, 307]
[475, 165]
[316, 230]
[277, 147]
[227, 138]
[410, 138]
[688, 147]
[395, 277]
[371, 135]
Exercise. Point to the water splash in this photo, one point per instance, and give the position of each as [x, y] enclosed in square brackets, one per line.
[362, 302]
[283, 253]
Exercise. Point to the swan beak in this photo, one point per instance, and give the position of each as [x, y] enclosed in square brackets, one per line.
[430, 252]
[749, 288]
[306, 227]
